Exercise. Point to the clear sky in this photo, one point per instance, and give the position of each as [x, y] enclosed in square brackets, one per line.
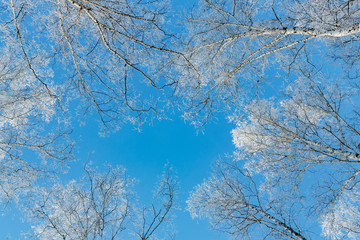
[302, 135]
[144, 155]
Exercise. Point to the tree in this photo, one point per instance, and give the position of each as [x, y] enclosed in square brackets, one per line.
[154, 218]
[232, 202]
[117, 59]
[314, 131]
[306, 145]
[100, 206]
[28, 110]
[237, 47]
[303, 140]
[108, 52]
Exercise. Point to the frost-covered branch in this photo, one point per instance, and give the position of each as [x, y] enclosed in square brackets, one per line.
[233, 204]
[239, 46]
[97, 207]
[160, 212]
[312, 133]
[101, 205]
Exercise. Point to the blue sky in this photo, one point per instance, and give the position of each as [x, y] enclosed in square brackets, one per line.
[145, 153]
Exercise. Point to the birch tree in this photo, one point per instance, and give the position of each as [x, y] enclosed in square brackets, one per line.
[28, 110]
[108, 52]
[313, 132]
[305, 143]
[97, 207]
[102, 205]
[238, 47]
[62, 58]
[234, 204]
[306, 146]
